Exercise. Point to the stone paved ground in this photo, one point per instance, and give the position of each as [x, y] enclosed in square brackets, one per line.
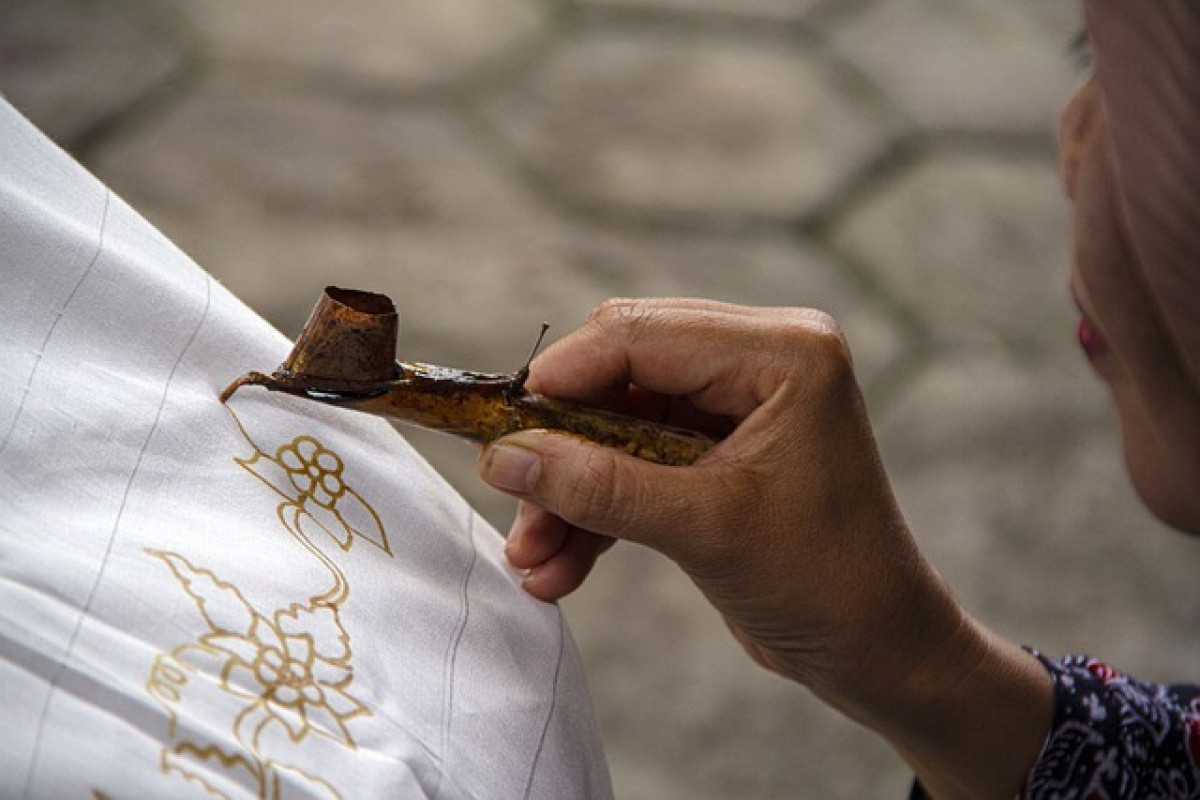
[494, 163]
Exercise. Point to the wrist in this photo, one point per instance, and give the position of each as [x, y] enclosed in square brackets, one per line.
[982, 738]
[966, 708]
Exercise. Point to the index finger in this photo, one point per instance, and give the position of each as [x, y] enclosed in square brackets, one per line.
[726, 359]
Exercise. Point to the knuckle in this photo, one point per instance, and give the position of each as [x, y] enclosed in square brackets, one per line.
[821, 343]
[823, 323]
[620, 312]
[813, 324]
[591, 498]
[613, 306]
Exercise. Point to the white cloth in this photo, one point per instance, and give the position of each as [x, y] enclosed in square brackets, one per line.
[273, 599]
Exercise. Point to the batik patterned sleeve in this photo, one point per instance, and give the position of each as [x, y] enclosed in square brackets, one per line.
[1114, 737]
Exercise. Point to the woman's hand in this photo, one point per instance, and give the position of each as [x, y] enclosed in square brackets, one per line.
[788, 526]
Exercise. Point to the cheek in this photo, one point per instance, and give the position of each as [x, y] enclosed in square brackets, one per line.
[1157, 405]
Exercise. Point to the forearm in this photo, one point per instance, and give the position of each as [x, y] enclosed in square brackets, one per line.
[972, 712]
[983, 737]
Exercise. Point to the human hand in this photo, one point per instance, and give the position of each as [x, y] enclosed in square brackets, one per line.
[788, 526]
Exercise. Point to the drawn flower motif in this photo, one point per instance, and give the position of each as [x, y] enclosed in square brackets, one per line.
[290, 670]
[294, 671]
[318, 500]
[313, 470]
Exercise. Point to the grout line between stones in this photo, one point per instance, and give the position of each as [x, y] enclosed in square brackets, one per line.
[634, 16]
[137, 112]
[168, 22]
[464, 94]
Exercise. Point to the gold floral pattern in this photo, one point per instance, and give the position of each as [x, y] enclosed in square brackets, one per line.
[255, 684]
[289, 676]
[318, 503]
[314, 471]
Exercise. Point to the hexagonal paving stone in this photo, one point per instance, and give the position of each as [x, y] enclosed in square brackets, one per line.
[968, 64]
[390, 44]
[1013, 484]
[992, 404]
[976, 244]
[1060, 555]
[686, 714]
[767, 9]
[760, 270]
[249, 150]
[70, 65]
[665, 125]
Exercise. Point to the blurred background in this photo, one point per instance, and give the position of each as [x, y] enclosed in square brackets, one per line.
[494, 163]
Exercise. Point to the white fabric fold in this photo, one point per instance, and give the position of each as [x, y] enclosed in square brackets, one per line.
[265, 599]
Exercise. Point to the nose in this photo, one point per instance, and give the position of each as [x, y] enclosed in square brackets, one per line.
[1076, 125]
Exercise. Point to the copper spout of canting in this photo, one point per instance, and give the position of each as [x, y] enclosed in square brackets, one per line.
[349, 341]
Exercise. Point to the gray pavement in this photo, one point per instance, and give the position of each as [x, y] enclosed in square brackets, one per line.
[494, 163]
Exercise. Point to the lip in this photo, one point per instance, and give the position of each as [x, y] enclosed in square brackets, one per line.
[1090, 340]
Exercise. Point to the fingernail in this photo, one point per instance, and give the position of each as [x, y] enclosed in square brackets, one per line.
[512, 469]
[513, 543]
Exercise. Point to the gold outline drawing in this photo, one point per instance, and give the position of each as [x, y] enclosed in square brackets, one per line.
[286, 669]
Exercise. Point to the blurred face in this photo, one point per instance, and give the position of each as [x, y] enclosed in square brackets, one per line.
[1122, 331]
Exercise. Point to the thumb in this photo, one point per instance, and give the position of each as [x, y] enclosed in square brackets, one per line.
[603, 490]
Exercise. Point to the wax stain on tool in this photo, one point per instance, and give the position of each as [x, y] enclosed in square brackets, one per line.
[346, 356]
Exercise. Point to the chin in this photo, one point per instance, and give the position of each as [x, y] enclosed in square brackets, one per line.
[1168, 483]
[1176, 514]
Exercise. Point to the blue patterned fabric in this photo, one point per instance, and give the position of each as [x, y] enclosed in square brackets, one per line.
[1113, 737]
